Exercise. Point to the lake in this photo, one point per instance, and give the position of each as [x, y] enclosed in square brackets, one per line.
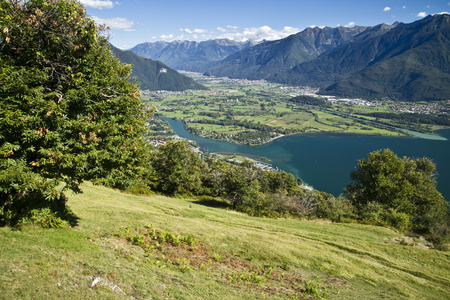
[325, 160]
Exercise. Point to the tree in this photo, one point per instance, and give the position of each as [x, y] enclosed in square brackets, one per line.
[178, 169]
[397, 188]
[68, 111]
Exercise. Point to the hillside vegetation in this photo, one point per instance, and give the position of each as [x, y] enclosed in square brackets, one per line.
[154, 75]
[244, 257]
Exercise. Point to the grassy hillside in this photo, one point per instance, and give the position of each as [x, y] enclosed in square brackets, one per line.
[236, 256]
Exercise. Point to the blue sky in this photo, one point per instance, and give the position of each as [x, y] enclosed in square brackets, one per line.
[137, 21]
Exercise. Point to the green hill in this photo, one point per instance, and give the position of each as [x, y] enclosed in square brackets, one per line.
[154, 75]
[235, 256]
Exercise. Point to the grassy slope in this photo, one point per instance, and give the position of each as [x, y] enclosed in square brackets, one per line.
[349, 261]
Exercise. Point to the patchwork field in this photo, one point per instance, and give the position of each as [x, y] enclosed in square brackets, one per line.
[260, 111]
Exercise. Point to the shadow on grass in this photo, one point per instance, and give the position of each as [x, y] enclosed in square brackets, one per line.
[35, 209]
[71, 218]
[212, 202]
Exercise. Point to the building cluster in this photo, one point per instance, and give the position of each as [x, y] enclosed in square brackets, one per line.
[423, 108]
[333, 99]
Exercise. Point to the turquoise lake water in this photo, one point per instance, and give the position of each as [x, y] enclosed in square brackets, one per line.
[324, 161]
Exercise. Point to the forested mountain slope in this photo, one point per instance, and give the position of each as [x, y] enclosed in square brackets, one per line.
[154, 75]
[409, 62]
[264, 60]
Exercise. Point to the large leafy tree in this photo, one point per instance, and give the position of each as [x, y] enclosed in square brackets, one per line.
[68, 111]
[397, 186]
[178, 169]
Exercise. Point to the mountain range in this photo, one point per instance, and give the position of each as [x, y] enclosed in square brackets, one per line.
[154, 75]
[267, 60]
[190, 55]
[409, 62]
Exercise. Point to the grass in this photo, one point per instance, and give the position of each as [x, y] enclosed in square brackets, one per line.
[245, 257]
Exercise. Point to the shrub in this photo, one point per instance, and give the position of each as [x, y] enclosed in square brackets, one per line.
[372, 213]
[139, 188]
[331, 208]
[44, 217]
[397, 219]
[397, 191]
[27, 197]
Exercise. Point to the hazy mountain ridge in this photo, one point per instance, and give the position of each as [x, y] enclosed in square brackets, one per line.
[154, 75]
[401, 61]
[190, 55]
[264, 60]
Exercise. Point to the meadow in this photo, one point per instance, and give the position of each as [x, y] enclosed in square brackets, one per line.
[220, 254]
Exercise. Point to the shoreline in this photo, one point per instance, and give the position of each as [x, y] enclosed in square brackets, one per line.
[400, 133]
[274, 138]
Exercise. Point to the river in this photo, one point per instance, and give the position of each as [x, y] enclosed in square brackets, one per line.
[324, 160]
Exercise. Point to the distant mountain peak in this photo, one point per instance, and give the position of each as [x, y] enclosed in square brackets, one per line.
[400, 61]
[190, 55]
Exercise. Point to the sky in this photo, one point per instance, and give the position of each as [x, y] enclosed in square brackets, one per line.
[133, 22]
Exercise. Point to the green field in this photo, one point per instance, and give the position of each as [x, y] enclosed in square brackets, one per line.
[260, 104]
[235, 257]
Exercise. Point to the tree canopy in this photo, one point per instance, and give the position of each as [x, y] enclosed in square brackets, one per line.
[401, 186]
[68, 111]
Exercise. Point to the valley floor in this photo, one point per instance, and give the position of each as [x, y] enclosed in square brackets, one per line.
[256, 112]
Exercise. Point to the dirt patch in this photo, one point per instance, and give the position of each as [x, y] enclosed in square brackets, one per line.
[191, 255]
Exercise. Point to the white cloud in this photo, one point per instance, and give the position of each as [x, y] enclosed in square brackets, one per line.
[350, 24]
[260, 33]
[422, 14]
[165, 37]
[115, 23]
[387, 8]
[404, 6]
[195, 31]
[97, 4]
[227, 28]
[231, 33]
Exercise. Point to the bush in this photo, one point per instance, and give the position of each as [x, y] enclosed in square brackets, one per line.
[372, 213]
[26, 197]
[396, 219]
[331, 208]
[139, 188]
[400, 192]
[44, 217]
[439, 233]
